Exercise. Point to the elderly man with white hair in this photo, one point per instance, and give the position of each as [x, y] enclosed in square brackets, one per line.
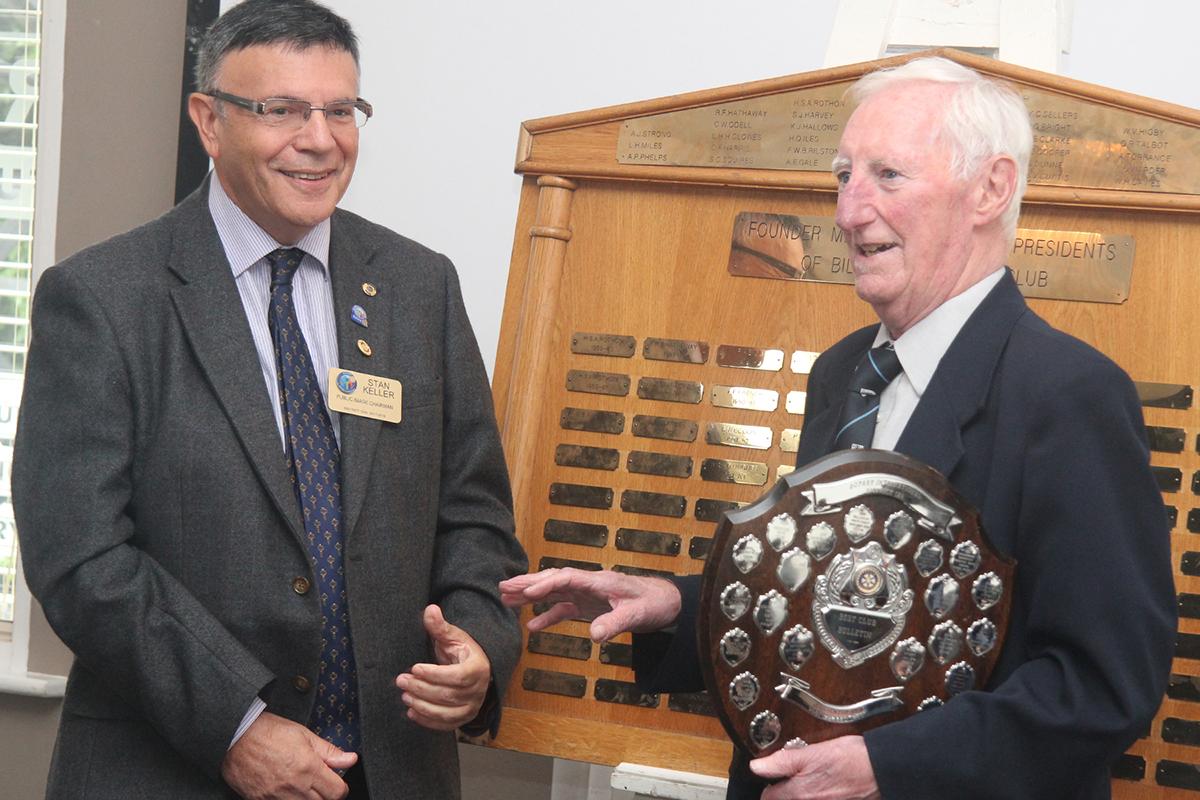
[1038, 430]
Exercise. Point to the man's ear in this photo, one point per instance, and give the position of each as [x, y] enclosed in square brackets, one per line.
[202, 109]
[997, 183]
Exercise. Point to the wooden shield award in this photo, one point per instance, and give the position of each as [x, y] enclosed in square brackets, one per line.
[859, 590]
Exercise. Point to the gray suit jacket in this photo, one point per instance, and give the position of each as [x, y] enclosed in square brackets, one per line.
[160, 531]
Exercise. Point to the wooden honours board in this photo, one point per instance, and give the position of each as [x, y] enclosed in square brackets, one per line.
[675, 272]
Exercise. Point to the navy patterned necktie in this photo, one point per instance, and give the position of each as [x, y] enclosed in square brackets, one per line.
[878, 368]
[315, 463]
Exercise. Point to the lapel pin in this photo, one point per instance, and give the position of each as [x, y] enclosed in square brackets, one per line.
[358, 315]
[369, 289]
[363, 347]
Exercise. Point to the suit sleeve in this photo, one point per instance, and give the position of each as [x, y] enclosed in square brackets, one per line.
[476, 547]
[1091, 641]
[131, 625]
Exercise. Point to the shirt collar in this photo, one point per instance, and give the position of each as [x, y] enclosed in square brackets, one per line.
[922, 346]
[245, 243]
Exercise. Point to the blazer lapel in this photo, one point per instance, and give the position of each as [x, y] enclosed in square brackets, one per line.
[352, 266]
[210, 311]
[962, 380]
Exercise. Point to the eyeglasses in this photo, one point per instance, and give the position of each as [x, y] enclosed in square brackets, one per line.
[283, 112]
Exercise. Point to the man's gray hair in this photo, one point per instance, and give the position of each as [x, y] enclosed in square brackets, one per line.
[297, 24]
[985, 117]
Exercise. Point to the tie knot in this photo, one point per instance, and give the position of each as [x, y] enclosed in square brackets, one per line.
[879, 367]
[284, 263]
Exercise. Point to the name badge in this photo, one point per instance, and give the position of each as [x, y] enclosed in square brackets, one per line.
[364, 395]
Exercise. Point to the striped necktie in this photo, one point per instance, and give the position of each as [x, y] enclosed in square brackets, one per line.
[315, 463]
[874, 372]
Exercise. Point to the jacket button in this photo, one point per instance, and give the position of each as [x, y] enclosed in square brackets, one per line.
[300, 585]
[301, 683]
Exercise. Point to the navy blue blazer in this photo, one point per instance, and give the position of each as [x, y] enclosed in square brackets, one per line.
[1045, 436]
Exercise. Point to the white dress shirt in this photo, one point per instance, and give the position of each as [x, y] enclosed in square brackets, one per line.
[920, 350]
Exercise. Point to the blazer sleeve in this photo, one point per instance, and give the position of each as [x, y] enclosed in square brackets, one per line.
[1091, 642]
[476, 546]
[131, 625]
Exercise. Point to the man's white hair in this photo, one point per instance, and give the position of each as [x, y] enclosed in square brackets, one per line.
[985, 117]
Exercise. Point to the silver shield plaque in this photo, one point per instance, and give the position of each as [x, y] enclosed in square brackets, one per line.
[835, 603]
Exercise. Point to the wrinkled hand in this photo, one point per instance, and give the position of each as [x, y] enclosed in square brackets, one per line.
[278, 758]
[838, 769]
[614, 602]
[447, 694]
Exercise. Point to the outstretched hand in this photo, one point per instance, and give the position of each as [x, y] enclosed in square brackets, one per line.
[448, 694]
[612, 601]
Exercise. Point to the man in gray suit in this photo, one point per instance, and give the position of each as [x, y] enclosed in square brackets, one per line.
[257, 476]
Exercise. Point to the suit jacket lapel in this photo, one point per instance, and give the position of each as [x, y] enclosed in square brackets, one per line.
[962, 380]
[210, 311]
[351, 265]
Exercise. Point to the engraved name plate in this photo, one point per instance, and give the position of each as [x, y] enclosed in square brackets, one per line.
[803, 360]
[668, 466]
[639, 541]
[1165, 440]
[612, 383]
[729, 355]
[619, 655]
[699, 546]
[677, 430]
[557, 644]
[796, 402]
[581, 533]
[574, 494]
[789, 440]
[755, 437]
[745, 397]
[691, 703]
[552, 562]
[1164, 395]
[669, 390]
[584, 419]
[603, 344]
[712, 510]
[681, 350]
[723, 470]
[663, 505]
[574, 455]
[550, 682]
[610, 691]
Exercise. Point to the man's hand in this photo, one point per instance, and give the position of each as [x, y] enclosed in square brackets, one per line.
[614, 602]
[278, 758]
[838, 769]
[447, 694]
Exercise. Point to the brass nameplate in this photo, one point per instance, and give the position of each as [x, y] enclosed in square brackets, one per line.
[1164, 395]
[557, 644]
[803, 360]
[574, 494]
[722, 470]
[681, 350]
[712, 510]
[676, 430]
[585, 419]
[1057, 265]
[618, 655]
[544, 680]
[1165, 440]
[579, 380]
[546, 605]
[789, 440]
[797, 130]
[668, 466]
[574, 455]
[784, 469]
[1169, 479]
[663, 505]
[669, 390]
[1077, 142]
[643, 572]
[745, 397]
[729, 355]
[551, 562]
[755, 437]
[795, 402]
[692, 703]
[639, 541]
[603, 344]
[699, 546]
[610, 691]
[582, 533]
